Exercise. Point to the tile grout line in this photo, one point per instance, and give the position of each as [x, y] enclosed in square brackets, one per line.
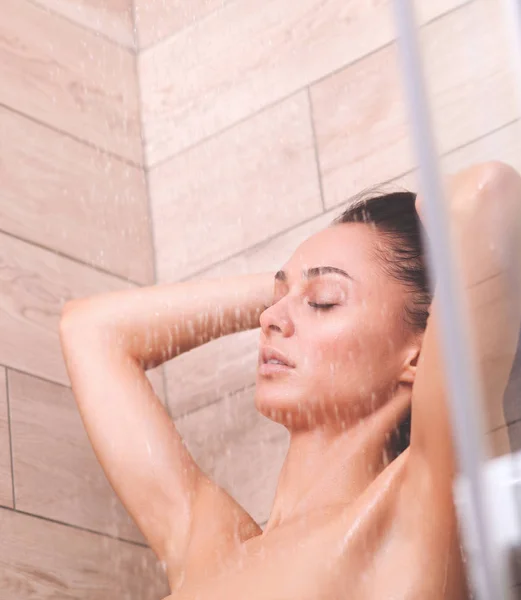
[167, 37]
[179, 416]
[268, 106]
[505, 426]
[451, 10]
[73, 259]
[76, 527]
[338, 205]
[146, 175]
[185, 28]
[191, 411]
[39, 377]
[315, 147]
[481, 137]
[71, 136]
[91, 30]
[10, 433]
[298, 90]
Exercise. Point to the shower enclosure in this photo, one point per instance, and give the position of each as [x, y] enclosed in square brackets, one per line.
[133, 130]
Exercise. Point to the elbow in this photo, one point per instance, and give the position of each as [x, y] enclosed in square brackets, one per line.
[488, 196]
[74, 323]
[498, 189]
[486, 211]
[86, 330]
[500, 204]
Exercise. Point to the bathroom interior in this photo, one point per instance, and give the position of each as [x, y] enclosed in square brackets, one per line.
[157, 141]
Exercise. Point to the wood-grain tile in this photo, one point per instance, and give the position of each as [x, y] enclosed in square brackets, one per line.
[56, 471]
[251, 54]
[361, 118]
[234, 190]
[34, 285]
[503, 144]
[6, 480]
[239, 449]
[112, 18]
[40, 560]
[70, 197]
[69, 78]
[228, 364]
[157, 19]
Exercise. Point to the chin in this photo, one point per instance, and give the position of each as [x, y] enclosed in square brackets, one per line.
[284, 403]
[276, 402]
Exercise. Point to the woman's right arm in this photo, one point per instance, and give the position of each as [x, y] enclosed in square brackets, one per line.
[109, 341]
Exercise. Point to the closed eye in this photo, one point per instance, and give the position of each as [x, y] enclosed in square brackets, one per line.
[321, 306]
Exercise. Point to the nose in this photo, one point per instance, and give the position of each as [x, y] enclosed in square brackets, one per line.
[276, 319]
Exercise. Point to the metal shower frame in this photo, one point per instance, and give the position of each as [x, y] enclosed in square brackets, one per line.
[489, 518]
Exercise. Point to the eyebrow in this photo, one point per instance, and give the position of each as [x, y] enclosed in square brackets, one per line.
[314, 272]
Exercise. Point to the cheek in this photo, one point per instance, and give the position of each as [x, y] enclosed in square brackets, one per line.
[348, 351]
[331, 349]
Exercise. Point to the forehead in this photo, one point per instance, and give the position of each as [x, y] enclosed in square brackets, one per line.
[348, 246]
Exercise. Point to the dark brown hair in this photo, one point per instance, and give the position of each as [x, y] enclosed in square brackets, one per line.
[402, 256]
[401, 251]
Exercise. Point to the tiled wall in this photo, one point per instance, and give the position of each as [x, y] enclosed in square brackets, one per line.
[74, 221]
[260, 119]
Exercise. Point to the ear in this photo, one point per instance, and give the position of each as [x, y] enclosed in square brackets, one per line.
[410, 365]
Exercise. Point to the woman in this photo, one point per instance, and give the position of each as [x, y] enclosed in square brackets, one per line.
[340, 367]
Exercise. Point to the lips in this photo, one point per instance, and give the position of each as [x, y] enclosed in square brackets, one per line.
[268, 353]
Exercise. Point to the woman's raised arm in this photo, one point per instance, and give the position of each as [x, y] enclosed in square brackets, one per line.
[485, 209]
[108, 342]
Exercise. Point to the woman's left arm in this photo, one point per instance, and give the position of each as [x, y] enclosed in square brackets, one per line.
[485, 212]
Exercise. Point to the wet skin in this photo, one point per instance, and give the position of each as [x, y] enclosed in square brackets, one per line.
[347, 520]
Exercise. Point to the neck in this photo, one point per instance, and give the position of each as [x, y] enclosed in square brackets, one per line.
[329, 466]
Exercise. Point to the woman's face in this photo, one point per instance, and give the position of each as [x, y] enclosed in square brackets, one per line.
[349, 356]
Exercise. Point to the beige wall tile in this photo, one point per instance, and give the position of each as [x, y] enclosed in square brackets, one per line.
[157, 19]
[239, 449]
[47, 561]
[70, 197]
[69, 78]
[360, 114]
[503, 145]
[232, 191]
[228, 364]
[112, 18]
[251, 54]
[56, 472]
[6, 480]
[35, 284]
[499, 442]
[361, 126]
[209, 372]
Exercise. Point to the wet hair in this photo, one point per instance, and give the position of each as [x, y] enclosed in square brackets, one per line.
[401, 253]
